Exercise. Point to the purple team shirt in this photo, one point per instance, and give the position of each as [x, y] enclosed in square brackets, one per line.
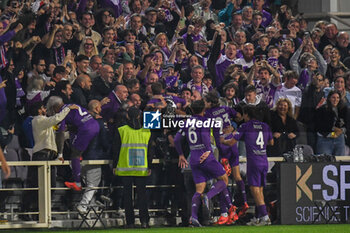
[224, 114]
[256, 136]
[86, 127]
[198, 140]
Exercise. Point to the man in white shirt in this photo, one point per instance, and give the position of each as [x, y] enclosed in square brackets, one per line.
[289, 90]
[45, 147]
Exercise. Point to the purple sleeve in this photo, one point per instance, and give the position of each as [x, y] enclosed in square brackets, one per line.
[109, 4]
[179, 100]
[81, 7]
[177, 142]
[7, 36]
[303, 78]
[107, 109]
[62, 126]
[240, 133]
[233, 112]
[153, 101]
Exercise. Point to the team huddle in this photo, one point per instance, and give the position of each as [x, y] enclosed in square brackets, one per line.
[254, 133]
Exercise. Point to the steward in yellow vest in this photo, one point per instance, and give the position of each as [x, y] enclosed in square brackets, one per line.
[132, 155]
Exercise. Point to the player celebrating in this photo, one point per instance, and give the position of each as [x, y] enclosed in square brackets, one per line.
[83, 128]
[203, 163]
[256, 135]
[229, 156]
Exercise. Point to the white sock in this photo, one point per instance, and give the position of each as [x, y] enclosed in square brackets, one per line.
[224, 214]
[265, 218]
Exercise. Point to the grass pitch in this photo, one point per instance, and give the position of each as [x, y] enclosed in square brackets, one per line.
[334, 228]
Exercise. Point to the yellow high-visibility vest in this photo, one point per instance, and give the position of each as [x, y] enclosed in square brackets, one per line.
[133, 151]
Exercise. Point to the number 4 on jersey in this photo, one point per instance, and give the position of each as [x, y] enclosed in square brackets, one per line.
[260, 140]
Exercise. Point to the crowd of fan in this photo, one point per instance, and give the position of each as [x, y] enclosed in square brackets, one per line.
[165, 54]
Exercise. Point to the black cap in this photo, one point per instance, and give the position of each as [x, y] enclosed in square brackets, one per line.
[150, 9]
[134, 112]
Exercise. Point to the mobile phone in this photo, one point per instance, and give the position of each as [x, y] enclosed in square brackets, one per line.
[307, 35]
[69, 52]
[284, 32]
[261, 30]
[240, 67]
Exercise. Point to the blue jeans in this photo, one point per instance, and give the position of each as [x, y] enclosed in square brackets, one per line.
[331, 146]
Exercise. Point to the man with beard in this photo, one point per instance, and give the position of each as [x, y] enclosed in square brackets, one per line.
[248, 57]
[236, 24]
[81, 88]
[39, 68]
[240, 38]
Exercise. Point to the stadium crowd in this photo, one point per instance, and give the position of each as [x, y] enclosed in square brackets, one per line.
[84, 64]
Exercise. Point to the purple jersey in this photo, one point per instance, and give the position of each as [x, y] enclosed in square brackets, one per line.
[85, 127]
[224, 114]
[198, 139]
[77, 118]
[256, 136]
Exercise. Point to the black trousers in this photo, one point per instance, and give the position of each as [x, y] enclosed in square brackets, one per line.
[30, 200]
[140, 183]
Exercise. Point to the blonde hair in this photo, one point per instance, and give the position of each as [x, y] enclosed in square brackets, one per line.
[290, 109]
[94, 48]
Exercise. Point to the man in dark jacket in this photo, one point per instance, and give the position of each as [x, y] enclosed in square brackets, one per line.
[103, 85]
[81, 88]
[313, 98]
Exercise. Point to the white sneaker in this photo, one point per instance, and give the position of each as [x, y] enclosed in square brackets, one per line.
[253, 222]
[264, 221]
[82, 209]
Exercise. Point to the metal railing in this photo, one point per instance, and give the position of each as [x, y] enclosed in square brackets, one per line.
[44, 188]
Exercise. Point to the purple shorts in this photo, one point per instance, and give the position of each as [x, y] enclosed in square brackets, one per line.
[83, 137]
[207, 170]
[229, 152]
[256, 175]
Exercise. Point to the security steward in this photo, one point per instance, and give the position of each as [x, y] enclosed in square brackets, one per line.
[132, 150]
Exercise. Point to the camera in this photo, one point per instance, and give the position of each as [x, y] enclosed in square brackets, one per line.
[180, 40]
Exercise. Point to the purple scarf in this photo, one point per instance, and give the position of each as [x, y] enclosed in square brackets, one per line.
[19, 92]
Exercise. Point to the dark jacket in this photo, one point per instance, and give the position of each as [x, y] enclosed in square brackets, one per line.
[100, 89]
[80, 96]
[326, 119]
[99, 147]
[283, 143]
[311, 99]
